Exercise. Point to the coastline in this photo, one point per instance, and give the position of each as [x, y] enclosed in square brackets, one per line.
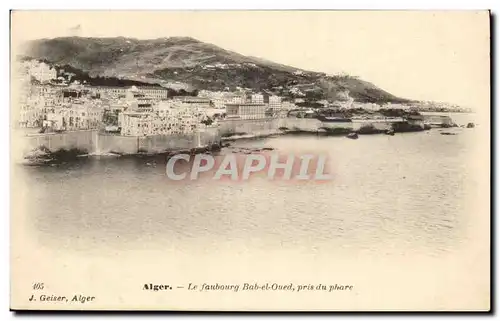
[42, 155]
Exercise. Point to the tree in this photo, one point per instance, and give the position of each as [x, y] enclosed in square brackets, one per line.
[207, 121]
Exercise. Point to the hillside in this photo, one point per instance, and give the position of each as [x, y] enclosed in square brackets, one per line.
[195, 63]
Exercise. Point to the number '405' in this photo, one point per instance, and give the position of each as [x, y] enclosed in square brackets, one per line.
[38, 286]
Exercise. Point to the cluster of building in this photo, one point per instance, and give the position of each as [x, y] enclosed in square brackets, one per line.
[247, 105]
[58, 108]
[433, 106]
[147, 110]
[136, 111]
[49, 103]
[37, 70]
[180, 115]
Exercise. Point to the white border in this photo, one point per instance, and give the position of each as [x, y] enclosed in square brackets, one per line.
[258, 5]
[494, 5]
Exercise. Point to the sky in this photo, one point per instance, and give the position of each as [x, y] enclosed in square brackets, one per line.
[425, 55]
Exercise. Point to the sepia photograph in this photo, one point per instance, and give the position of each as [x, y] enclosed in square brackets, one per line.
[250, 160]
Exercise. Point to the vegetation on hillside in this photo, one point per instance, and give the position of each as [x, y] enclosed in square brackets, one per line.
[114, 61]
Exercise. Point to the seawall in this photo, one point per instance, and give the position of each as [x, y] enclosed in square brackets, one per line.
[265, 127]
[93, 142]
[154, 144]
[83, 140]
[268, 126]
[257, 127]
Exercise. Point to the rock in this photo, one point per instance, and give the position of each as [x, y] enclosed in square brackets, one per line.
[368, 129]
[471, 125]
[446, 133]
[215, 147]
[389, 132]
[352, 136]
[39, 153]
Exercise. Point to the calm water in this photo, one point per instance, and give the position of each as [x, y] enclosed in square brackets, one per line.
[390, 195]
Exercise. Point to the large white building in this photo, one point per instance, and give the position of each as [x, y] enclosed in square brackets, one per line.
[109, 92]
[245, 111]
[156, 93]
[219, 99]
[196, 102]
[153, 93]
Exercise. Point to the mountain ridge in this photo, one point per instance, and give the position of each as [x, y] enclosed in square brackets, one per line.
[198, 64]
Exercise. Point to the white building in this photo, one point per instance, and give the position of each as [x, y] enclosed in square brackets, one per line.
[396, 106]
[344, 100]
[155, 93]
[40, 71]
[245, 111]
[275, 102]
[257, 98]
[152, 93]
[237, 100]
[76, 116]
[219, 99]
[30, 116]
[135, 123]
[167, 118]
[108, 91]
[195, 102]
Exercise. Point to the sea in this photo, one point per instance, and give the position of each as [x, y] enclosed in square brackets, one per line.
[389, 195]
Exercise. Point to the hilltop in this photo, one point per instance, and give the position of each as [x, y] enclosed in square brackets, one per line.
[184, 60]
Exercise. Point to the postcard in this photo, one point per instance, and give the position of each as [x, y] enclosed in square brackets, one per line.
[250, 160]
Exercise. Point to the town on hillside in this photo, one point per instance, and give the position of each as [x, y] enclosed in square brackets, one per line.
[51, 100]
